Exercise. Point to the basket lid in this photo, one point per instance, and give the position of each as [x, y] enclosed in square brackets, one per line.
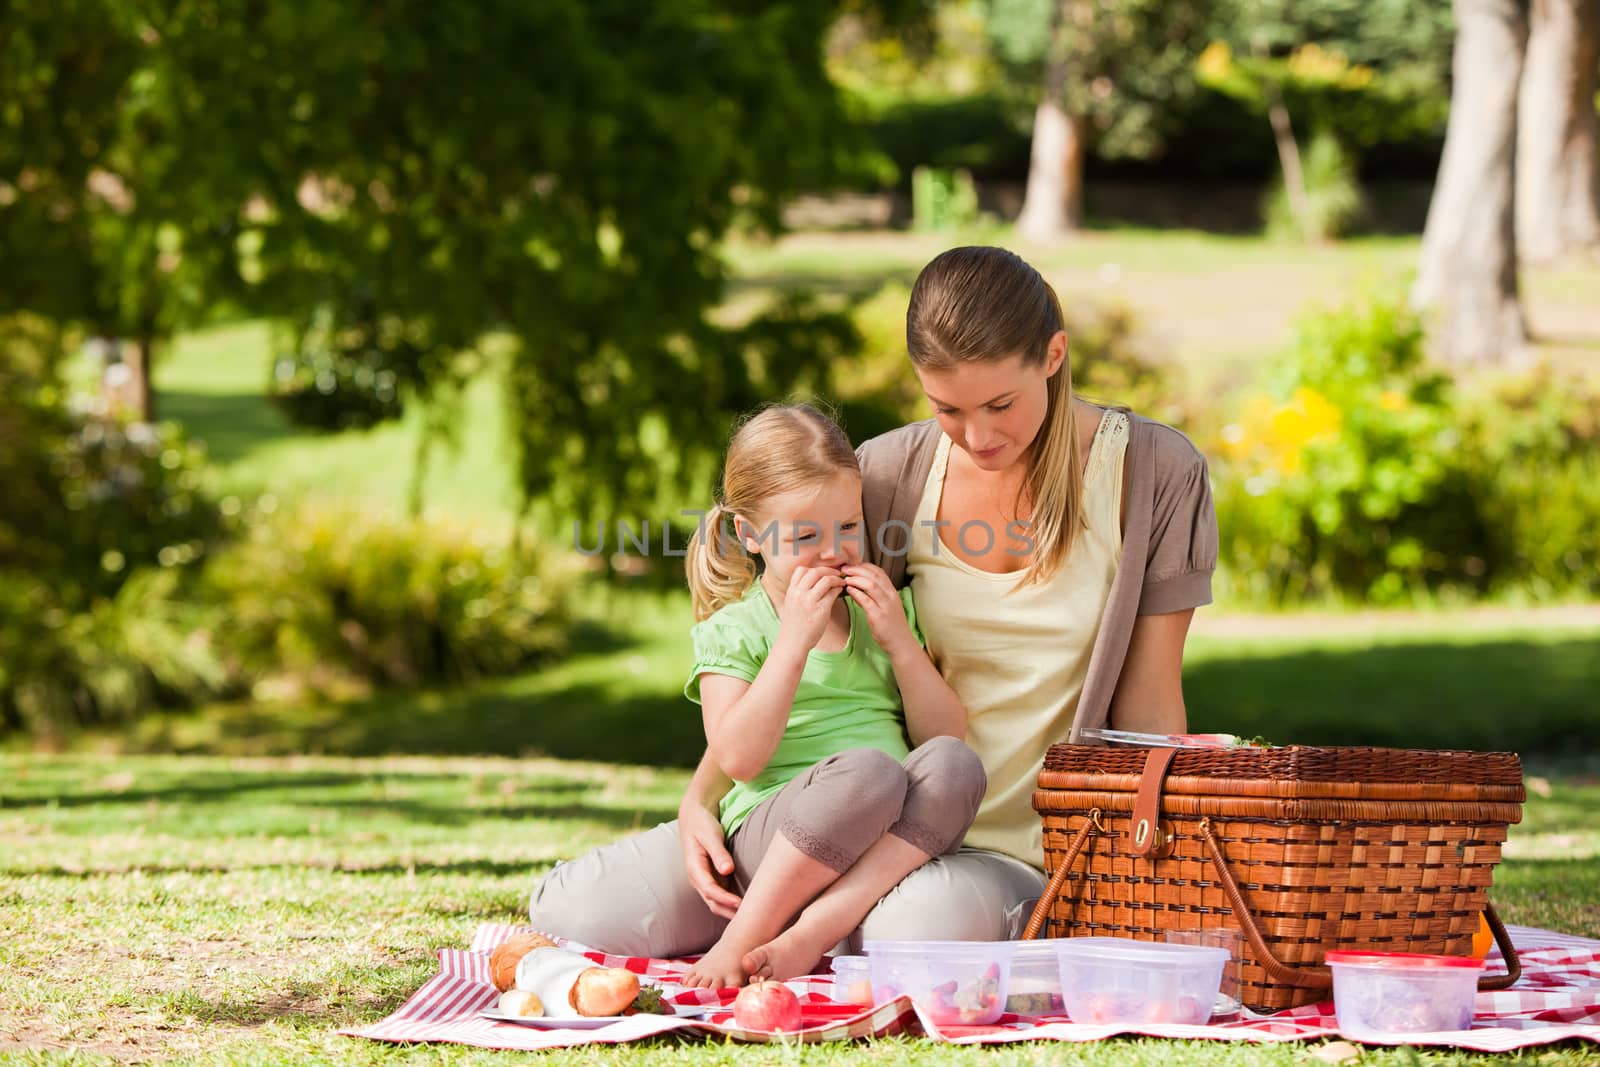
[1402, 960]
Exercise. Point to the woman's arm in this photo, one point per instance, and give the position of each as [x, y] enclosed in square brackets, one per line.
[705, 851]
[1149, 694]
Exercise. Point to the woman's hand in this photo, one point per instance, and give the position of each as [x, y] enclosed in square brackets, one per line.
[870, 587]
[706, 859]
[807, 606]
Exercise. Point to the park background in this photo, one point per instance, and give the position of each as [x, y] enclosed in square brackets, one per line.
[327, 332]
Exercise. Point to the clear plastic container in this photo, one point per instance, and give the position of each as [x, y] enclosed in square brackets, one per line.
[1116, 980]
[1035, 987]
[852, 980]
[959, 983]
[1386, 996]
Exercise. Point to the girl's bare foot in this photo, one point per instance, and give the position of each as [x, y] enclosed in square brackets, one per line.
[717, 969]
[793, 953]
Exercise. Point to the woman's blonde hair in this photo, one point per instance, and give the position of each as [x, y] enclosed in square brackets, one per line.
[782, 448]
[984, 304]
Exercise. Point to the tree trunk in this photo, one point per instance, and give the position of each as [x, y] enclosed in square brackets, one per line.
[1558, 182]
[1053, 202]
[141, 396]
[1469, 264]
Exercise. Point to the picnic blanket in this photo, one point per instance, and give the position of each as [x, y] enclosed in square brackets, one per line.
[1557, 999]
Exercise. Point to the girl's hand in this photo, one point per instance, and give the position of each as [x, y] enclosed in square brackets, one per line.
[808, 604]
[706, 859]
[870, 587]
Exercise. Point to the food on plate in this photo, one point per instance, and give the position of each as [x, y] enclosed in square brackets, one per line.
[767, 1006]
[504, 959]
[566, 981]
[521, 1003]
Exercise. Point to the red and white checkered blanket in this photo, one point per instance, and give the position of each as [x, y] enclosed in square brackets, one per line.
[1557, 999]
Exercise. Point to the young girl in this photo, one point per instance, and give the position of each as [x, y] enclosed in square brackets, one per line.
[811, 676]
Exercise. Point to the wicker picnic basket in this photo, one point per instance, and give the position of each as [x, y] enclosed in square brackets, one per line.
[1304, 849]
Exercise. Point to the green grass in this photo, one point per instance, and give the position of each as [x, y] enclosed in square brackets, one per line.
[241, 910]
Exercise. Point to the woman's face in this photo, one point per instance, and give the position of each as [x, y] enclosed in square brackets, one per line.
[992, 410]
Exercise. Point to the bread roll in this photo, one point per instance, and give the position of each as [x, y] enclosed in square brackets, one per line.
[504, 959]
[521, 1003]
[563, 978]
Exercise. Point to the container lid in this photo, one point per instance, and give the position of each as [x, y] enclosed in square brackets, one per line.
[947, 949]
[1402, 960]
[1123, 948]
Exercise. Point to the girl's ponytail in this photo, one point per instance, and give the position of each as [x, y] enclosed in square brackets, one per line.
[720, 570]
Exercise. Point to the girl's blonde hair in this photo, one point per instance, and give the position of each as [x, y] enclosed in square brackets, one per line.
[782, 448]
[983, 304]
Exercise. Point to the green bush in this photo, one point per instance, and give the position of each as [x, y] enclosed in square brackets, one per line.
[325, 600]
[1333, 195]
[1362, 474]
[347, 370]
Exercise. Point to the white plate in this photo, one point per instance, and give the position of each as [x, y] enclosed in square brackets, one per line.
[582, 1022]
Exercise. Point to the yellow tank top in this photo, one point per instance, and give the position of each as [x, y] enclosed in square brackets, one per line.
[1017, 657]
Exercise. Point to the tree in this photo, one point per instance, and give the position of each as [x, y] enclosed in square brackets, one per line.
[119, 171]
[1558, 181]
[1105, 70]
[556, 175]
[1469, 258]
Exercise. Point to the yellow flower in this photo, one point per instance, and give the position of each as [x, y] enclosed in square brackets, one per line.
[1215, 63]
[1392, 400]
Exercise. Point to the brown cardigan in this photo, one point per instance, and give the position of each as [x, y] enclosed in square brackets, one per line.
[1169, 536]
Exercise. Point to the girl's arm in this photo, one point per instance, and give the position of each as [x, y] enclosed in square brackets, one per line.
[745, 720]
[932, 707]
[1149, 694]
[705, 851]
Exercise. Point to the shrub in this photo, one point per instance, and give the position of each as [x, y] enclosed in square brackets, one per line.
[1345, 477]
[1333, 195]
[325, 600]
[1363, 474]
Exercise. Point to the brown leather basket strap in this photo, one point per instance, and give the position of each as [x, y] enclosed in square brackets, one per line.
[1276, 970]
[1147, 838]
[1503, 939]
[1041, 910]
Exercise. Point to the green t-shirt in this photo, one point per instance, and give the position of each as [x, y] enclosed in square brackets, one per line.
[845, 699]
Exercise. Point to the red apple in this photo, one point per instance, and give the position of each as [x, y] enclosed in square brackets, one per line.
[767, 1005]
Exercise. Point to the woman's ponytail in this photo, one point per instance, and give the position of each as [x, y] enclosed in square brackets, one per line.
[719, 569]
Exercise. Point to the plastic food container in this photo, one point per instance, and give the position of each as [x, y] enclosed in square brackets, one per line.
[1383, 996]
[959, 983]
[1035, 987]
[1116, 980]
[852, 980]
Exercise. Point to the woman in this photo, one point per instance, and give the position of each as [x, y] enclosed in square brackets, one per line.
[1056, 552]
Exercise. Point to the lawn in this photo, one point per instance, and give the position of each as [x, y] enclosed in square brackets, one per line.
[239, 910]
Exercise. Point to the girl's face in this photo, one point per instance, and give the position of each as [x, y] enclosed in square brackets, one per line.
[992, 410]
[819, 527]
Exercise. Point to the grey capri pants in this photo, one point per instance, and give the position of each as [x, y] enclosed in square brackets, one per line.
[633, 897]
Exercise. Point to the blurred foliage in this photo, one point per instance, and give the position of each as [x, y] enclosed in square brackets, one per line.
[1125, 62]
[348, 368]
[560, 173]
[332, 601]
[1111, 364]
[1362, 473]
[1333, 195]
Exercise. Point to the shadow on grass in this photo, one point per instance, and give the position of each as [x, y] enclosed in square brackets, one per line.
[232, 425]
[463, 868]
[215, 786]
[1516, 695]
